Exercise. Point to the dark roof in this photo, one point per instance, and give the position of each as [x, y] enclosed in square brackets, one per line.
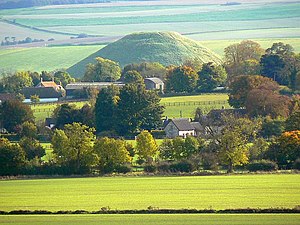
[42, 92]
[155, 80]
[182, 124]
[197, 126]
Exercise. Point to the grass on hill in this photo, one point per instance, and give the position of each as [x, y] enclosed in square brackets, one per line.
[199, 192]
[167, 48]
[178, 219]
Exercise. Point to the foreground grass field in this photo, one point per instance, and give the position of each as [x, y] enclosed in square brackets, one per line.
[192, 219]
[201, 192]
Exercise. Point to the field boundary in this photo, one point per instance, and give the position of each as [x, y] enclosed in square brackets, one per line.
[154, 210]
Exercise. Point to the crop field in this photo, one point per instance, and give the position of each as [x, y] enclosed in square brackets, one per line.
[44, 59]
[201, 21]
[199, 192]
[179, 219]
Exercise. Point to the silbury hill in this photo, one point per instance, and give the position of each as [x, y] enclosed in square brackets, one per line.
[167, 48]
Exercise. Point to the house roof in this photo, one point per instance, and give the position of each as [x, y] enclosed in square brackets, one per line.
[47, 84]
[81, 85]
[42, 92]
[155, 80]
[182, 124]
[197, 126]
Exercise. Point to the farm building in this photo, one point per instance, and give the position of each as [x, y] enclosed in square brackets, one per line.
[154, 83]
[75, 89]
[181, 128]
[45, 89]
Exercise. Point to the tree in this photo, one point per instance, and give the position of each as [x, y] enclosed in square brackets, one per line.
[146, 146]
[36, 78]
[272, 127]
[73, 147]
[132, 76]
[63, 78]
[238, 57]
[281, 64]
[106, 108]
[46, 76]
[102, 70]
[285, 150]
[147, 69]
[137, 109]
[34, 99]
[293, 121]
[14, 83]
[210, 77]
[13, 113]
[181, 79]
[264, 102]
[28, 129]
[240, 87]
[233, 148]
[65, 114]
[12, 158]
[111, 153]
[32, 148]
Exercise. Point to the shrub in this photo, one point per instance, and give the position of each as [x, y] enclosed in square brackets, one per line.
[262, 165]
[150, 169]
[164, 167]
[296, 165]
[123, 169]
[183, 166]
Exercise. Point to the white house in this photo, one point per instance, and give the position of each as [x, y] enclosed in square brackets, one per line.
[179, 127]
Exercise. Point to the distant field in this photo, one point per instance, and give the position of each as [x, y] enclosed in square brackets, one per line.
[178, 219]
[200, 192]
[48, 58]
[199, 21]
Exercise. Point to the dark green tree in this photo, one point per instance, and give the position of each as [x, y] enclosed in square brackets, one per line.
[63, 78]
[32, 148]
[210, 77]
[14, 83]
[106, 109]
[181, 79]
[147, 69]
[132, 76]
[13, 113]
[12, 158]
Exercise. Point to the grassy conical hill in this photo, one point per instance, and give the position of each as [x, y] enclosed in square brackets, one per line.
[164, 47]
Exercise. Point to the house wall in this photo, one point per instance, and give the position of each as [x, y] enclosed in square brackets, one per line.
[187, 133]
[171, 130]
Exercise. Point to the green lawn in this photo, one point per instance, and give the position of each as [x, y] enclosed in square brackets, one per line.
[200, 192]
[179, 219]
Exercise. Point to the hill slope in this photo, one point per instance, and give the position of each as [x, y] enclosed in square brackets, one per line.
[164, 47]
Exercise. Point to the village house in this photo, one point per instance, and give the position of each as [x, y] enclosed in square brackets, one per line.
[79, 88]
[154, 83]
[182, 127]
[45, 89]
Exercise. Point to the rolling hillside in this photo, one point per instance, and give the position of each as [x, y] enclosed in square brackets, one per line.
[164, 47]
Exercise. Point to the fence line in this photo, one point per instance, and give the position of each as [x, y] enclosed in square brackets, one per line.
[218, 102]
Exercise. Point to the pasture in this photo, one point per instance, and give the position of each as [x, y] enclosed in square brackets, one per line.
[44, 59]
[199, 192]
[178, 219]
[175, 107]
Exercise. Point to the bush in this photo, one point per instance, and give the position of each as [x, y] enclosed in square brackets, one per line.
[262, 165]
[164, 167]
[150, 169]
[123, 169]
[296, 165]
[183, 166]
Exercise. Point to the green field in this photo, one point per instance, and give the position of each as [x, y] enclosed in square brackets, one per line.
[44, 59]
[174, 106]
[200, 192]
[179, 219]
